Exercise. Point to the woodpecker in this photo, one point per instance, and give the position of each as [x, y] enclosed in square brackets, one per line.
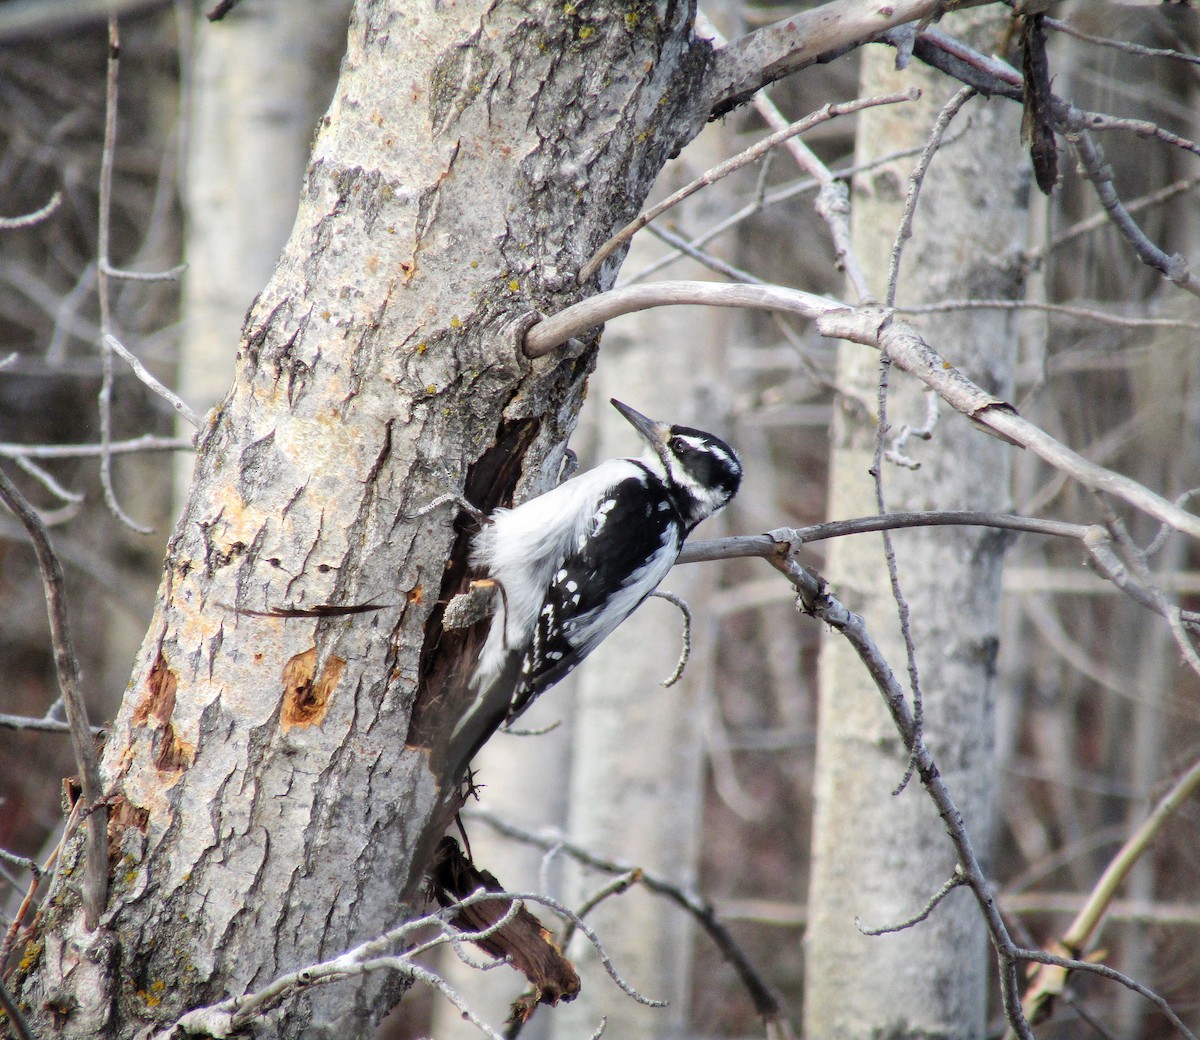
[572, 564]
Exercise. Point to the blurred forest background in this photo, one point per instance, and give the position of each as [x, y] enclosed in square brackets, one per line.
[1095, 714]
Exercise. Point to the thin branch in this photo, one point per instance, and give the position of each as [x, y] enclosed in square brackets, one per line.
[991, 76]
[140, 370]
[723, 169]
[30, 219]
[685, 248]
[842, 173]
[956, 880]
[1120, 45]
[147, 442]
[915, 179]
[95, 885]
[906, 348]
[1068, 310]
[766, 1002]
[102, 274]
[1101, 175]
[686, 639]
[1099, 219]
[170, 275]
[47, 481]
[1071, 964]
[833, 200]
[43, 725]
[816, 600]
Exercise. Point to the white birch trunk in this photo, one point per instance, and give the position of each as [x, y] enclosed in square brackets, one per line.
[879, 857]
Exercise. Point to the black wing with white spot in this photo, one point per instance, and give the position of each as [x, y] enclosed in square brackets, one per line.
[634, 537]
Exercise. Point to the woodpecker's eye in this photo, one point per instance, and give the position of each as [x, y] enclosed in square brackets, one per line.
[675, 444]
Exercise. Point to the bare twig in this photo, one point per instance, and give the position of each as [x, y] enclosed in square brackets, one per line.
[1068, 310]
[43, 725]
[170, 275]
[956, 880]
[833, 200]
[1120, 45]
[140, 370]
[1103, 970]
[903, 233]
[993, 76]
[765, 1000]
[1099, 219]
[95, 885]
[842, 173]
[47, 480]
[727, 167]
[1101, 175]
[895, 453]
[102, 275]
[685, 248]
[915, 179]
[686, 639]
[30, 219]
[816, 600]
[147, 442]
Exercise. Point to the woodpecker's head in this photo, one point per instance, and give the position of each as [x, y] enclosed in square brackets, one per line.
[702, 468]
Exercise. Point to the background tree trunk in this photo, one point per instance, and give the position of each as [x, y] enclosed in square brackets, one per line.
[260, 79]
[876, 857]
[274, 798]
[638, 756]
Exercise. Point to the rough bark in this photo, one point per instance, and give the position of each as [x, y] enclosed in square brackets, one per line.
[879, 857]
[260, 80]
[275, 783]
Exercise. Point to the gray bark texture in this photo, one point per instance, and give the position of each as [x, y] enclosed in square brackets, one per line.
[876, 857]
[276, 783]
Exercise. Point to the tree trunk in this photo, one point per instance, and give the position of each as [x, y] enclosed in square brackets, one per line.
[276, 783]
[260, 80]
[877, 857]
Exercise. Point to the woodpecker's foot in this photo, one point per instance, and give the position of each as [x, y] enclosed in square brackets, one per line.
[477, 514]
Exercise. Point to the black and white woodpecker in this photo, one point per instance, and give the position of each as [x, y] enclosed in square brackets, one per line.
[572, 564]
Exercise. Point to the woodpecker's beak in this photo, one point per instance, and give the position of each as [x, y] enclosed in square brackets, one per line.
[656, 434]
